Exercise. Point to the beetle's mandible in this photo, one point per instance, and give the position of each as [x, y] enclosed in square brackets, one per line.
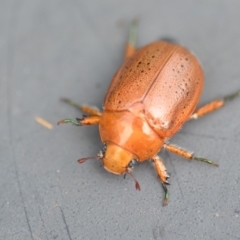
[151, 96]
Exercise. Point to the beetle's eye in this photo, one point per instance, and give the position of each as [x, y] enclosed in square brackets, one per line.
[131, 164]
[104, 148]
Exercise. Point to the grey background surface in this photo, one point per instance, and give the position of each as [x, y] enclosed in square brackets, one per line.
[53, 49]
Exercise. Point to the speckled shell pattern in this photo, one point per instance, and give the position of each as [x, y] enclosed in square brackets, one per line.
[163, 81]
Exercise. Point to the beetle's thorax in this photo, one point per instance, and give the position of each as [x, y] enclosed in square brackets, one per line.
[131, 133]
[116, 159]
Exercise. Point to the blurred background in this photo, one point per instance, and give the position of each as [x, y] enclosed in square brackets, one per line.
[54, 49]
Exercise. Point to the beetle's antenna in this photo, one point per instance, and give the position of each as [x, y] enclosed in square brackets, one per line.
[99, 157]
[82, 160]
[137, 185]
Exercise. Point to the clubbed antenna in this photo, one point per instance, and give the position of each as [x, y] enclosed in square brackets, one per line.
[137, 185]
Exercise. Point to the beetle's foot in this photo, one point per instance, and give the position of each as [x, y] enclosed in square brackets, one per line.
[232, 96]
[169, 40]
[86, 120]
[166, 195]
[214, 105]
[131, 45]
[76, 122]
[90, 110]
[189, 155]
[133, 32]
[71, 102]
[205, 160]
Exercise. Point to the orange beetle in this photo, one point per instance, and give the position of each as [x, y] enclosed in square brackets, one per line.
[151, 96]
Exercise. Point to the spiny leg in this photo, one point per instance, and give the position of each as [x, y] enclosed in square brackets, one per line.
[86, 120]
[163, 176]
[213, 105]
[131, 44]
[186, 154]
[86, 109]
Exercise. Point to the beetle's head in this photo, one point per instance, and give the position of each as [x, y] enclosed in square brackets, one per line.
[116, 159]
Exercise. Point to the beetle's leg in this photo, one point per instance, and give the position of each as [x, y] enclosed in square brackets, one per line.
[86, 109]
[186, 154]
[169, 40]
[213, 105]
[163, 176]
[131, 45]
[86, 120]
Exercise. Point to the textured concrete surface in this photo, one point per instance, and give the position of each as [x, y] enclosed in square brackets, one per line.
[53, 49]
